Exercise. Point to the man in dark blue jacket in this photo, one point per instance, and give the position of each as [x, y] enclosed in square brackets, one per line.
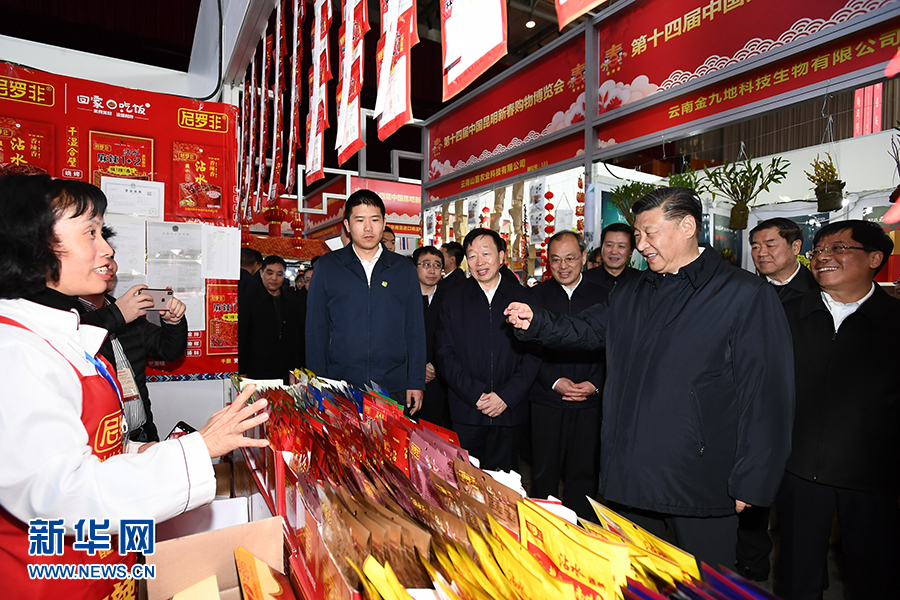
[486, 368]
[565, 397]
[364, 318]
[699, 394]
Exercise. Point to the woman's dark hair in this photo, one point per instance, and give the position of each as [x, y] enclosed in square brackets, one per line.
[29, 207]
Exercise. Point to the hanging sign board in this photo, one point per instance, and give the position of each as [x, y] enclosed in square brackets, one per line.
[660, 44]
[539, 100]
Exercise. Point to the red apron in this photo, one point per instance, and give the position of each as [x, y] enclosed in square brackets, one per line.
[101, 414]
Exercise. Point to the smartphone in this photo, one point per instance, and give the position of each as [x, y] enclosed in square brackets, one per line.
[161, 298]
[180, 429]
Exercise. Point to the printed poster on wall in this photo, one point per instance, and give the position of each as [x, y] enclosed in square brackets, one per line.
[473, 36]
[116, 155]
[26, 146]
[221, 313]
[660, 44]
[198, 178]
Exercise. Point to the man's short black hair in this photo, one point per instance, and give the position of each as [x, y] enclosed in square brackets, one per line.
[499, 242]
[313, 261]
[787, 229]
[364, 196]
[455, 250]
[867, 234]
[677, 203]
[618, 228]
[426, 250]
[389, 230]
[30, 205]
[559, 235]
[594, 256]
[250, 257]
[273, 259]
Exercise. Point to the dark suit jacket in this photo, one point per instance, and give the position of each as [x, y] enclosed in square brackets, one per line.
[798, 286]
[453, 279]
[270, 341]
[434, 408]
[604, 278]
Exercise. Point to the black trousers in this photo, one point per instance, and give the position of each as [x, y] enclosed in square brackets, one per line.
[497, 447]
[753, 542]
[710, 539]
[870, 535]
[565, 444]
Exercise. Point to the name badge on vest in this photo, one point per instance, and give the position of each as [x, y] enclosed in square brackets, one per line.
[129, 387]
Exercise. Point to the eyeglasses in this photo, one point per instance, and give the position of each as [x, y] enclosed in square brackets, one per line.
[832, 249]
[569, 260]
[430, 265]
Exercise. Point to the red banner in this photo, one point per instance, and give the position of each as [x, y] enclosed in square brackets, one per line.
[552, 153]
[569, 10]
[658, 45]
[221, 316]
[543, 98]
[862, 50]
[80, 129]
[473, 37]
[393, 106]
[199, 174]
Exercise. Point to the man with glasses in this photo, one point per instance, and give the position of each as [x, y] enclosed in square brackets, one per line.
[565, 397]
[429, 263]
[844, 454]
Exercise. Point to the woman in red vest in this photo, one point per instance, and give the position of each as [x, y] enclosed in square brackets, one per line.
[66, 483]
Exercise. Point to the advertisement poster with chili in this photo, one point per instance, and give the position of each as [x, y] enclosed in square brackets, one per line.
[198, 180]
[221, 316]
[115, 155]
[25, 146]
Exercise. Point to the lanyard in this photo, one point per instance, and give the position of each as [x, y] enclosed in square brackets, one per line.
[101, 368]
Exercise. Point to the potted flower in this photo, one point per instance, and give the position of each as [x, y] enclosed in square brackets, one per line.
[624, 196]
[741, 182]
[829, 189]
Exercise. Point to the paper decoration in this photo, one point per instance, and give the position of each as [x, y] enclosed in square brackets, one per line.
[263, 120]
[399, 32]
[278, 116]
[473, 34]
[296, 73]
[319, 74]
[349, 130]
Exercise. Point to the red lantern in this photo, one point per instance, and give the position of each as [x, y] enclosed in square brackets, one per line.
[439, 217]
[549, 228]
[549, 206]
[548, 195]
[549, 218]
[485, 210]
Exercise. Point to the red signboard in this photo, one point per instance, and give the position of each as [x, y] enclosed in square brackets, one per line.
[870, 47]
[81, 129]
[199, 174]
[543, 98]
[552, 153]
[402, 203]
[660, 44]
[221, 316]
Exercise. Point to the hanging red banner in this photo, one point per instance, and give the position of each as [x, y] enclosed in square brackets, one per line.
[27, 146]
[296, 79]
[319, 74]
[657, 45]
[473, 36]
[540, 100]
[278, 139]
[536, 158]
[569, 10]
[349, 129]
[871, 47]
[263, 122]
[399, 33]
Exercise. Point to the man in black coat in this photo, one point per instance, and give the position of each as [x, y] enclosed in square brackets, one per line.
[364, 318]
[429, 261]
[844, 453]
[487, 369]
[565, 397]
[774, 247]
[698, 400]
[616, 247]
[453, 257]
[270, 327]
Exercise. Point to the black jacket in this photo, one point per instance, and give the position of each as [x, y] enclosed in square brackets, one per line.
[477, 352]
[796, 287]
[453, 279]
[604, 278]
[847, 425]
[698, 402]
[270, 337]
[434, 408]
[360, 332]
[576, 365]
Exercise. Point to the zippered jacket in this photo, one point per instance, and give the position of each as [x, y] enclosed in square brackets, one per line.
[699, 396]
[360, 332]
[477, 352]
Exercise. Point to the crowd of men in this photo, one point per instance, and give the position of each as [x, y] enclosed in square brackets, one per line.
[694, 393]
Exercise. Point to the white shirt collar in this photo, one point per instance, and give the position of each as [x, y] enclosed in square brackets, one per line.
[786, 281]
[571, 290]
[840, 311]
[490, 293]
[369, 265]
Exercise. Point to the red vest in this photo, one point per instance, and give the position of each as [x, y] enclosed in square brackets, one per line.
[101, 414]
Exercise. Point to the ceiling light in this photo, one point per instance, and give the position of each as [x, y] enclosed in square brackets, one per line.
[530, 23]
